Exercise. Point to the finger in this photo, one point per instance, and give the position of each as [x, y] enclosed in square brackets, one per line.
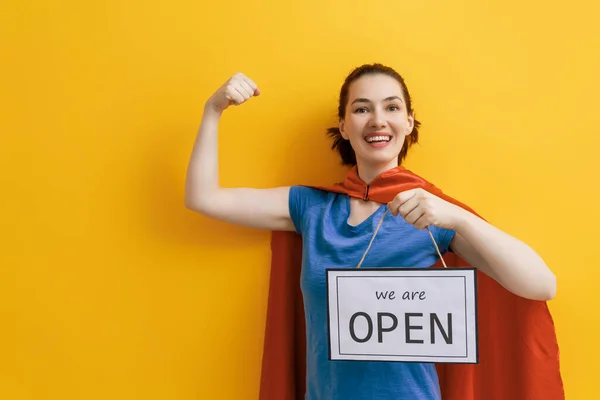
[236, 97]
[408, 206]
[254, 86]
[414, 215]
[399, 200]
[243, 93]
[246, 89]
[421, 222]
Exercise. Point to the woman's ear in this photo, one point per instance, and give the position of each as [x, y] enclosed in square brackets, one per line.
[342, 129]
[411, 123]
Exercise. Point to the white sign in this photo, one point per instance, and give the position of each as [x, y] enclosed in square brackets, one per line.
[403, 314]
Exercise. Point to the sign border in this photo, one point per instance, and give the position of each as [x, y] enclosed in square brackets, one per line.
[475, 273]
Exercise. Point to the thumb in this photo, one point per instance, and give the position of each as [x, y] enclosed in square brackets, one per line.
[393, 209]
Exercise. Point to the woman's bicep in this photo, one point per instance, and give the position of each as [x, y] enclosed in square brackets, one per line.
[255, 208]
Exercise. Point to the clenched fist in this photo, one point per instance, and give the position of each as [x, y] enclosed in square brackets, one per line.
[421, 209]
[237, 90]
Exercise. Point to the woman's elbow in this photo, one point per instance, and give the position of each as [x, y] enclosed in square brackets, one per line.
[550, 287]
[545, 289]
[195, 204]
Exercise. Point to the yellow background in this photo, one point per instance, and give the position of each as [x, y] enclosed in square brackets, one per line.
[111, 289]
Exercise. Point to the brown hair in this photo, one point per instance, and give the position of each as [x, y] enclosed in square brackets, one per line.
[343, 146]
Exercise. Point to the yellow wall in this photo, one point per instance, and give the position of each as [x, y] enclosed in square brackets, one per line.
[110, 288]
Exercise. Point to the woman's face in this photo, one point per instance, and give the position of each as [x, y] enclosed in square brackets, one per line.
[376, 121]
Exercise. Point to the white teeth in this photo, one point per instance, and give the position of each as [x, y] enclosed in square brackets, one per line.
[372, 139]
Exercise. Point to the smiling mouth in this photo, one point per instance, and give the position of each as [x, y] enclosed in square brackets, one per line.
[378, 139]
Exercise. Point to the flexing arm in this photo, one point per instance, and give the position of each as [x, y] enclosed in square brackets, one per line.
[257, 208]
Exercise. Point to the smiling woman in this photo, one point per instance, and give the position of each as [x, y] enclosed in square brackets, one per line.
[395, 106]
[381, 114]
[376, 128]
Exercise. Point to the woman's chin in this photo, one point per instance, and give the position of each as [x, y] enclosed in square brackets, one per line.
[382, 159]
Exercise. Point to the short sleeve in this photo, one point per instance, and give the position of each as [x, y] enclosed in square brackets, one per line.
[443, 237]
[301, 199]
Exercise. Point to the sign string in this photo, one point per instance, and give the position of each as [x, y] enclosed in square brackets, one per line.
[375, 233]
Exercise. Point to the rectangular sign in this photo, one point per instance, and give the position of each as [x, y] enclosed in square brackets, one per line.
[403, 314]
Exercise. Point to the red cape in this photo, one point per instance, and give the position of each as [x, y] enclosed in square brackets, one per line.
[518, 350]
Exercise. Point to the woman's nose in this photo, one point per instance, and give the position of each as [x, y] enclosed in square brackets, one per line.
[377, 119]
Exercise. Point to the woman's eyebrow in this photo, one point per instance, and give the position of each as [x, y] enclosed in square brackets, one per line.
[363, 100]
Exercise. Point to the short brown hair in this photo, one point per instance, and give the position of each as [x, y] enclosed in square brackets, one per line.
[343, 146]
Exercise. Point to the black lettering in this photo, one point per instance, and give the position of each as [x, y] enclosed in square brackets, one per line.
[381, 329]
[390, 295]
[380, 295]
[412, 295]
[408, 326]
[369, 323]
[447, 337]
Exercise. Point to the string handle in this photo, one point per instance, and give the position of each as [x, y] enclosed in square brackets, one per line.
[375, 234]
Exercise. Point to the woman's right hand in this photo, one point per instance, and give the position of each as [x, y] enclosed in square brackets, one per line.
[237, 90]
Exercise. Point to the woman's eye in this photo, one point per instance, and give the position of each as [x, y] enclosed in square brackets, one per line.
[360, 110]
[394, 108]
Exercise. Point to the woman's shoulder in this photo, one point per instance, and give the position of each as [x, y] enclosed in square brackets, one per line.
[312, 191]
[309, 196]
[308, 203]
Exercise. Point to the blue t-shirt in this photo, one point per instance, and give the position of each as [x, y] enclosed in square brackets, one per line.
[329, 241]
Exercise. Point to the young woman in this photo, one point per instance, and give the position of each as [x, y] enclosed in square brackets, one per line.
[376, 128]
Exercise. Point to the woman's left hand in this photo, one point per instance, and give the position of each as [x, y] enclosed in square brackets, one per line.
[421, 209]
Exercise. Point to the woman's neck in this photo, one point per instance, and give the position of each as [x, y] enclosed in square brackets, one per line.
[368, 172]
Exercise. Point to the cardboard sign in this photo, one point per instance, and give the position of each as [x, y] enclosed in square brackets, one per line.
[403, 314]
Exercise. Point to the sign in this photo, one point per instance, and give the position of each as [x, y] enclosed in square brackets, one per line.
[403, 314]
